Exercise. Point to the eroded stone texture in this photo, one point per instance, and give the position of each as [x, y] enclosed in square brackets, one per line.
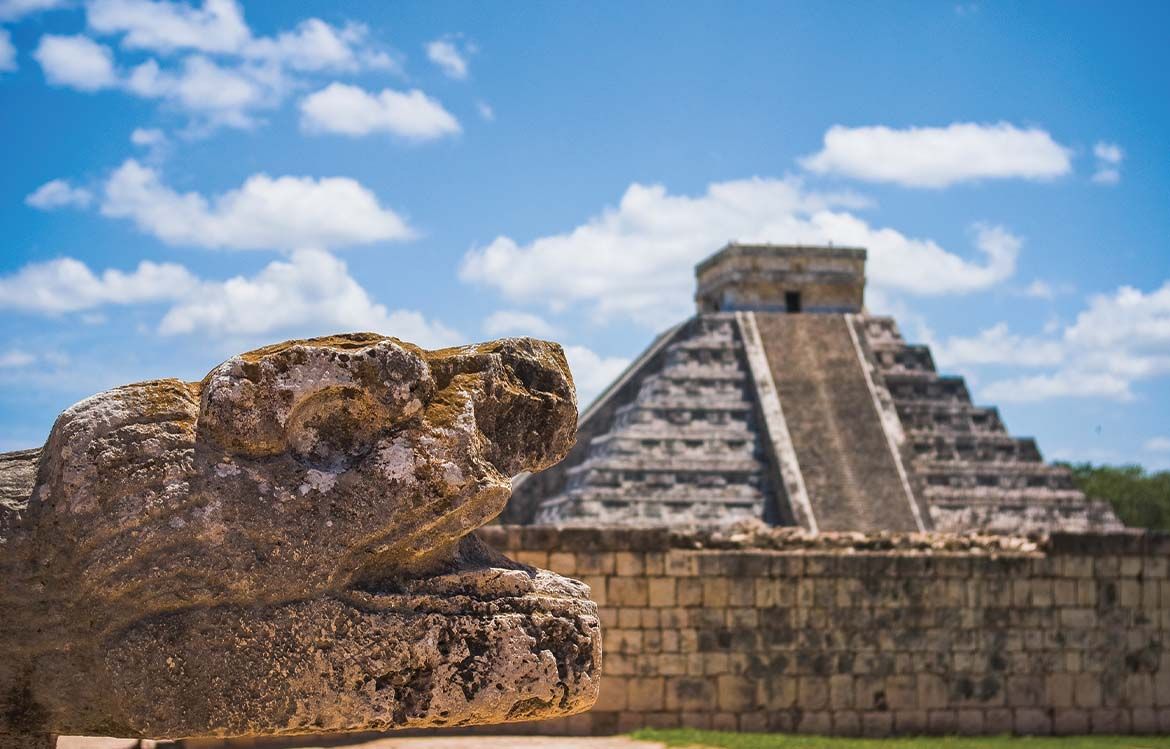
[283, 548]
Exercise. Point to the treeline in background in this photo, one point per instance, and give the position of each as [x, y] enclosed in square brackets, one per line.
[1141, 499]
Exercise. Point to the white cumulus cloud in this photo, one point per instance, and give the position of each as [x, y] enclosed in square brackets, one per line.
[636, 260]
[592, 373]
[7, 52]
[11, 10]
[1039, 289]
[310, 293]
[219, 27]
[223, 96]
[349, 110]
[15, 358]
[163, 26]
[1119, 339]
[214, 95]
[315, 45]
[77, 62]
[997, 345]
[940, 156]
[1060, 384]
[446, 54]
[148, 137]
[153, 141]
[206, 62]
[68, 285]
[511, 322]
[1109, 157]
[1157, 445]
[58, 193]
[1129, 316]
[263, 213]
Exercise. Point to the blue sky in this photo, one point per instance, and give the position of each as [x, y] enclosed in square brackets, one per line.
[182, 181]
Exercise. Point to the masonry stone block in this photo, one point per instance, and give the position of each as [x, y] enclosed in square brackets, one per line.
[1030, 721]
[1108, 720]
[692, 694]
[716, 592]
[597, 587]
[661, 592]
[1143, 720]
[594, 563]
[877, 724]
[672, 664]
[1139, 690]
[629, 564]
[613, 694]
[841, 692]
[737, 693]
[998, 720]
[933, 691]
[743, 618]
[682, 563]
[628, 591]
[1066, 722]
[846, 722]
[562, 562]
[815, 722]
[725, 722]
[663, 720]
[698, 720]
[1059, 690]
[911, 722]
[1025, 691]
[690, 592]
[812, 692]
[1087, 691]
[646, 694]
[1155, 567]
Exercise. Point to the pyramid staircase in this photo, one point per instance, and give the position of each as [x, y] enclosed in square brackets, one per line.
[962, 461]
[685, 448]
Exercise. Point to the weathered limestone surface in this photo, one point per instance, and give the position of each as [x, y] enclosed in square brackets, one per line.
[284, 547]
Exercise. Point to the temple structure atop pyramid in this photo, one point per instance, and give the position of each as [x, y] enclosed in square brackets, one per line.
[783, 400]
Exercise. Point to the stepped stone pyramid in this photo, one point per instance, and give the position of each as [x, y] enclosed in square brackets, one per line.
[782, 399]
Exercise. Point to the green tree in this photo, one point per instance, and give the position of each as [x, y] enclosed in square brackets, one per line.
[1141, 499]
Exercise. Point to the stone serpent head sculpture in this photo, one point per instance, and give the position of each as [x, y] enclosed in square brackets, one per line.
[285, 547]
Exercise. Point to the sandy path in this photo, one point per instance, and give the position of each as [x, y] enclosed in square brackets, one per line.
[438, 742]
[511, 742]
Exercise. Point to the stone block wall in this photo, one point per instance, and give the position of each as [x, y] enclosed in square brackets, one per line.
[869, 635]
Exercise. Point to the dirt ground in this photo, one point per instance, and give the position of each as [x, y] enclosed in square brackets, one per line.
[512, 742]
[453, 742]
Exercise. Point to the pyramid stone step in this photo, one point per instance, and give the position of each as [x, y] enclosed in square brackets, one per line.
[840, 442]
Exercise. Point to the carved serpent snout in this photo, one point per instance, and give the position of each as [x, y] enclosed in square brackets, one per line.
[330, 480]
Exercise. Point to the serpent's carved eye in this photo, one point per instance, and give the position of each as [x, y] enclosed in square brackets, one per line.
[335, 427]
